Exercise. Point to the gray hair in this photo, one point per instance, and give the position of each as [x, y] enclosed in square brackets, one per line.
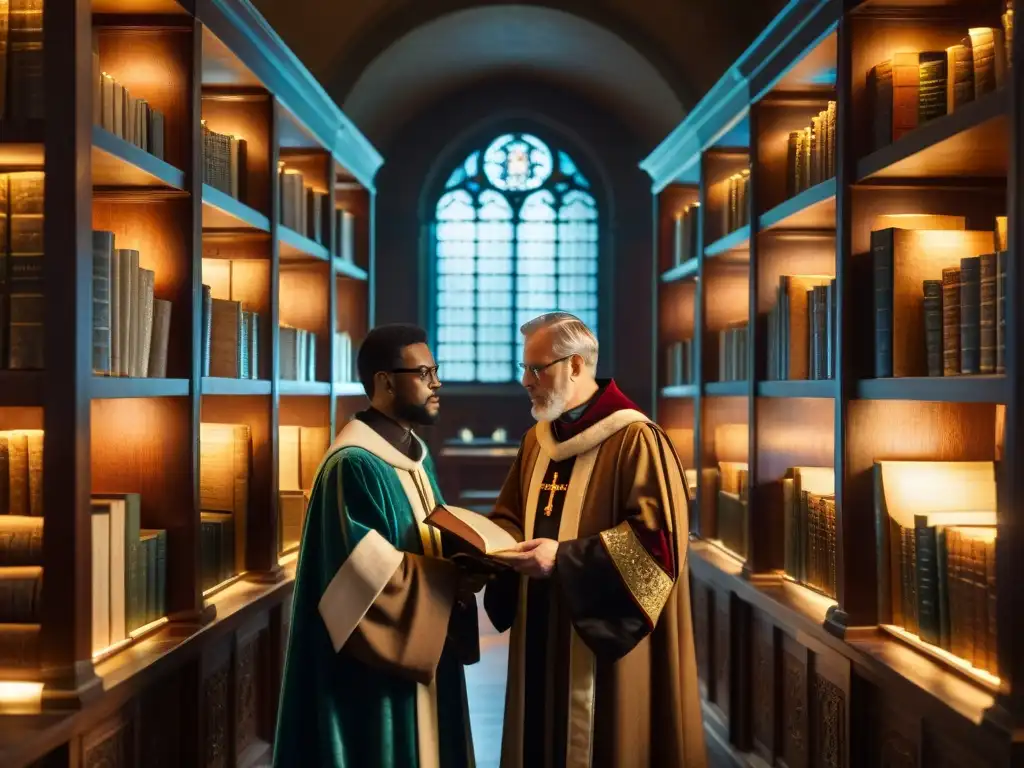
[571, 336]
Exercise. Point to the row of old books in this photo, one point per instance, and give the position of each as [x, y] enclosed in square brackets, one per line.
[21, 60]
[130, 327]
[21, 272]
[736, 213]
[686, 234]
[680, 363]
[21, 575]
[732, 353]
[809, 525]
[298, 354]
[129, 569]
[300, 451]
[811, 156]
[914, 87]
[936, 289]
[731, 505]
[231, 338]
[936, 533]
[224, 161]
[225, 466]
[21, 472]
[802, 328]
[128, 117]
[344, 358]
[965, 318]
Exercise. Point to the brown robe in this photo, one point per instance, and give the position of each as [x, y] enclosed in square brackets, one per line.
[602, 670]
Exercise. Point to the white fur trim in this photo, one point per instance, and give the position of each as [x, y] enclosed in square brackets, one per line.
[357, 434]
[591, 436]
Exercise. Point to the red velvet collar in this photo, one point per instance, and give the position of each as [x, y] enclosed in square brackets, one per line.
[607, 401]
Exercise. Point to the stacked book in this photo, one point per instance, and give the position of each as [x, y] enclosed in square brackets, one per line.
[939, 299]
[732, 353]
[680, 363]
[809, 520]
[128, 117]
[224, 159]
[21, 273]
[737, 208]
[802, 328]
[21, 472]
[22, 60]
[231, 336]
[225, 466]
[912, 88]
[812, 153]
[936, 532]
[732, 505]
[687, 229]
[344, 360]
[303, 208]
[130, 327]
[21, 582]
[298, 354]
[299, 455]
[344, 235]
[129, 569]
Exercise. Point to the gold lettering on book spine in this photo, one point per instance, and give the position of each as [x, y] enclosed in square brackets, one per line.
[643, 577]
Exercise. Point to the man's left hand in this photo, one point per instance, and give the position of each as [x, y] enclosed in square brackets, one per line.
[534, 558]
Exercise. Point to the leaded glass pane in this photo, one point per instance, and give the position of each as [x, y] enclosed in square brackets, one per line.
[500, 262]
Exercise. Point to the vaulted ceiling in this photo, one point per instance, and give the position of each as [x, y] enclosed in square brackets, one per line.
[646, 61]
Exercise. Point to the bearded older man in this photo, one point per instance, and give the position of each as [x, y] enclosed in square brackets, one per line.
[601, 662]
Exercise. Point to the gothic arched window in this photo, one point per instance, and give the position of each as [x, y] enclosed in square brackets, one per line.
[515, 236]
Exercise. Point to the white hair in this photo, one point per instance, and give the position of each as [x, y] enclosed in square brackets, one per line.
[571, 336]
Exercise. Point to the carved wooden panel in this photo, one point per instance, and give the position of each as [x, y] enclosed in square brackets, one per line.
[794, 747]
[217, 716]
[829, 724]
[246, 695]
[110, 745]
[722, 651]
[762, 671]
[700, 632]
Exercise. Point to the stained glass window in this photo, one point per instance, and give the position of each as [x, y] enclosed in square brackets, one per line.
[516, 236]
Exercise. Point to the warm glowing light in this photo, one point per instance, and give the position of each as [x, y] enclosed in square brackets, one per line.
[223, 585]
[731, 442]
[20, 697]
[981, 675]
[936, 487]
[724, 549]
[288, 559]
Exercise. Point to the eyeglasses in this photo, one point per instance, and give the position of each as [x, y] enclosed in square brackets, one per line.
[537, 369]
[425, 373]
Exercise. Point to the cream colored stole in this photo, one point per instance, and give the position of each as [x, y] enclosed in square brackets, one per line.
[582, 666]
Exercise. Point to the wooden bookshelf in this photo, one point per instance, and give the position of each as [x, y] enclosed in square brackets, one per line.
[201, 671]
[794, 674]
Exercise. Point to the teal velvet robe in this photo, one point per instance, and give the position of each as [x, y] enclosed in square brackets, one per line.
[337, 710]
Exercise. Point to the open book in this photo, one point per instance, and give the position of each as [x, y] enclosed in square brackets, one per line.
[471, 527]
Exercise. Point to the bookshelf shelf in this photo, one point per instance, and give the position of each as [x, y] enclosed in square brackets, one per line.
[214, 385]
[852, 486]
[682, 271]
[348, 389]
[309, 388]
[348, 270]
[726, 388]
[108, 387]
[679, 391]
[824, 388]
[733, 242]
[162, 7]
[296, 248]
[938, 389]
[812, 209]
[970, 143]
[221, 211]
[117, 163]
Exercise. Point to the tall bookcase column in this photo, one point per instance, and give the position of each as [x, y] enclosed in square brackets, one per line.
[1010, 480]
[854, 575]
[705, 500]
[66, 652]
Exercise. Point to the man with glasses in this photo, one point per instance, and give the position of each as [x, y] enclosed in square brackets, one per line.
[602, 670]
[382, 621]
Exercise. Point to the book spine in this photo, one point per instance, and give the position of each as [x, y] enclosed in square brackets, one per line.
[970, 314]
[1001, 312]
[882, 255]
[950, 322]
[987, 314]
[933, 325]
[927, 592]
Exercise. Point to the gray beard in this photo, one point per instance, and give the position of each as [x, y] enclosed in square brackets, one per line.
[551, 409]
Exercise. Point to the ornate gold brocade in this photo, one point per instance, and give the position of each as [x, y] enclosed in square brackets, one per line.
[643, 577]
